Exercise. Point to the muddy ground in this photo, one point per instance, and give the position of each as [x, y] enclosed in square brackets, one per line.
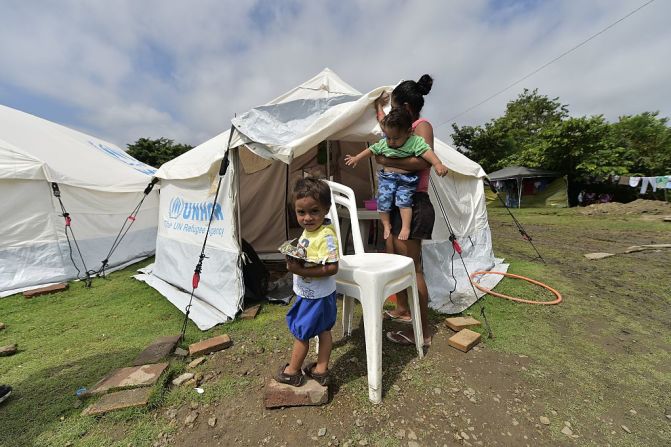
[596, 368]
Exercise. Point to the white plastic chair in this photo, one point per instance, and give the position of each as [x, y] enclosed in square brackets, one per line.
[371, 278]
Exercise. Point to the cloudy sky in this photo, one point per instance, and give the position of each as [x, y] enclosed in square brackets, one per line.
[127, 69]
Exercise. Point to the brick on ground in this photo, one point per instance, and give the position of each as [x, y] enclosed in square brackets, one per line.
[160, 348]
[251, 312]
[210, 345]
[281, 395]
[459, 323]
[46, 290]
[130, 377]
[137, 397]
[464, 340]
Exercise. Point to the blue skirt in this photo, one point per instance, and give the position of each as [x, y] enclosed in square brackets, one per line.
[309, 318]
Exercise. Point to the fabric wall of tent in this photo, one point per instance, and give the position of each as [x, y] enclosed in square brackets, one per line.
[100, 185]
[308, 130]
[529, 188]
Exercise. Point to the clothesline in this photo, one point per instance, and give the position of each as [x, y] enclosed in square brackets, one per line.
[657, 182]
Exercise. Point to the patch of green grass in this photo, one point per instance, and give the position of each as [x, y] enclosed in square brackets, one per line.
[588, 381]
[71, 340]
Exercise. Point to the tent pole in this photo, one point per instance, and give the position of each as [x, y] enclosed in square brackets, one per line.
[519, 191]
[328, 160]
[236, 161]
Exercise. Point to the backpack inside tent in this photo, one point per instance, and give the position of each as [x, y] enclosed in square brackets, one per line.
[99, 186]
[307, 131]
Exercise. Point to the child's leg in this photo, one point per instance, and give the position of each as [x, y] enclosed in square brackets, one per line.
[386, 189]
[386, 224]
[407, 185]
[406, 219]
[325, 346]
[298, 354]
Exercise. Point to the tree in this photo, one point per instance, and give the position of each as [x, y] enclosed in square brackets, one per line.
[645, 143]
[519, 130]
[156, 152]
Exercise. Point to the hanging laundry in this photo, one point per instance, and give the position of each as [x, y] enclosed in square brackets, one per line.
[652, 181]
[633, 181]
[662, 181]
[624, 180]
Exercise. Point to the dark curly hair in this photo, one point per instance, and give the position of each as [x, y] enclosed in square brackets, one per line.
[412, 93]
[397, 119]
[314, 188]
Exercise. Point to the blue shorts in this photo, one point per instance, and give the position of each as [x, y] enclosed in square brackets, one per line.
[394, 188]
[308, 318]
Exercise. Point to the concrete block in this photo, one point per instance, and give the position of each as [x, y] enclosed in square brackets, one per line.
[137, 397]
[251, 312]
[159, 349]
[464, 340]
[210, 345]
[459, 323]
[45, 290]
[281, 395]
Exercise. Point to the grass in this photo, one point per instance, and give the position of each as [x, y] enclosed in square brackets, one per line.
[71, 340]
[568, 343]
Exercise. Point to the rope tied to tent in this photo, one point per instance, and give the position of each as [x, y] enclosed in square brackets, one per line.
[124, 229]
[517, 223]
[69, 232]
[195, 279]
[457, 250]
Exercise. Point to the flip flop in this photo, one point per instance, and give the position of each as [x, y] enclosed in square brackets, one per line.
[391, 317]
[400, 338]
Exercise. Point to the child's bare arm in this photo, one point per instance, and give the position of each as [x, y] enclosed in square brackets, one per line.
[432, 158]
[353, 161]
[319, 271]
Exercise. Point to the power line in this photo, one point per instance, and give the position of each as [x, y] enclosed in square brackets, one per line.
[546, 64]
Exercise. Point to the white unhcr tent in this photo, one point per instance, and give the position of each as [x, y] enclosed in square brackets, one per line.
[308, 130]
[100, 185]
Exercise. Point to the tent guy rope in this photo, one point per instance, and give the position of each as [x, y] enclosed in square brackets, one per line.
[125, 227]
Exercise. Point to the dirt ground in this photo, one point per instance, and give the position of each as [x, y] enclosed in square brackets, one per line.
[614, 310]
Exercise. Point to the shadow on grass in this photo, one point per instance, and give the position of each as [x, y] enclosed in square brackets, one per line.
[41, 399]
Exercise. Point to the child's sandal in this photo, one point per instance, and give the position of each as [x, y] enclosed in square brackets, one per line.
[290, 379]
[322, 379]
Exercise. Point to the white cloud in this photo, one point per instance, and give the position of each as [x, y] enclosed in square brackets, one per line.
[181, 70]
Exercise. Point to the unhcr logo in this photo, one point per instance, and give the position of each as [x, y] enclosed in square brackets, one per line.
[193, 211]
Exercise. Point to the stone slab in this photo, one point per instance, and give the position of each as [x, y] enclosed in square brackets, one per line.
[46, 290]
[278, 395]
[137, 397]
[130, 377]
[464, 340]
[251, 312]
[459, 323]
[197, 362]
[210, 345]
[182, 378]
[598, 255]
[179, 352]
[159, 349]
[6, 351]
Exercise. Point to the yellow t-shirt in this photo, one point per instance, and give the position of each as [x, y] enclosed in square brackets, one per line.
[321, 247]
